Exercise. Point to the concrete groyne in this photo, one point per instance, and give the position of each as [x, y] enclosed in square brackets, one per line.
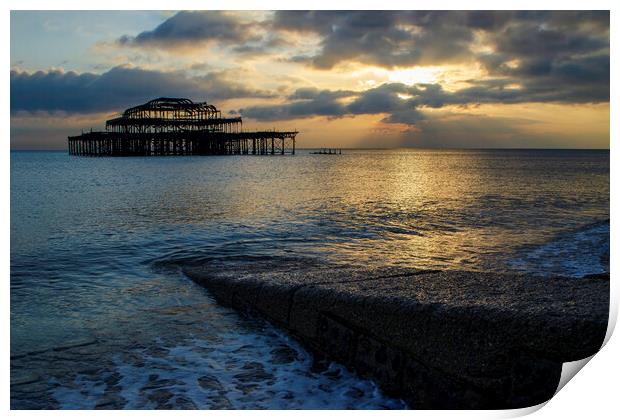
[438, 339]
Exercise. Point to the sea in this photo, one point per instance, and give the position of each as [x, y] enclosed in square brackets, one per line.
[103, 317]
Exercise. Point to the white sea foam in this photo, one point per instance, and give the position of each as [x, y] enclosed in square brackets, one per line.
[265, 369]
[574, 254]
[239, 372]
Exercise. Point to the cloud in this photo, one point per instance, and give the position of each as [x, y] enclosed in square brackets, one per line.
[186, 30]
[405, 38]
[536, 57]
[117, 89]
[553, 56]
[405, 104]
[306, 102]
[540, 50]
[379, 100]
[190, 28]
[223, 85]
[311, 102]
[393, 38]
[383, 38]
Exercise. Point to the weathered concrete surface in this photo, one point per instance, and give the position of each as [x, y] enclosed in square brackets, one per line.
[439, 339]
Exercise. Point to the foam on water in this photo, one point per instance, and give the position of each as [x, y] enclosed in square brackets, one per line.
[236, 371]
[575, 253]
[243, 374]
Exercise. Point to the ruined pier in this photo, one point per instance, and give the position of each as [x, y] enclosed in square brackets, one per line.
[438, 339]
[179, 127]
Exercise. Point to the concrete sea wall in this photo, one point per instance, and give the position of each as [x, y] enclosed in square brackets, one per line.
[438, 339]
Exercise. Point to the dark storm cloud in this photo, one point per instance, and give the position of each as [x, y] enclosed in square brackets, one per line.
[406, 38]
[191, 27]
[538, 45]
[306, 102]
[530, 38]
[555, 78]
[116, 89]
[553, 56]
[555, 59]
[384, 38]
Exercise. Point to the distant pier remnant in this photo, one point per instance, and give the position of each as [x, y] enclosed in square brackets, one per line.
[179, 127]
[327, 151]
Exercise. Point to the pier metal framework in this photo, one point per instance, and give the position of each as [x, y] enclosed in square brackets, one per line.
[178, 126]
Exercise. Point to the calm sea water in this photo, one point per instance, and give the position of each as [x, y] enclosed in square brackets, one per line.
[102, 317]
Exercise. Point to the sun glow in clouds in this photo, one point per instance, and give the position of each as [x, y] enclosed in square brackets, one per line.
[451, 77]
[414, 75]
[374, 76]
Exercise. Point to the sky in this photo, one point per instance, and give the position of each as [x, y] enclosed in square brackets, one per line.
[444, 79]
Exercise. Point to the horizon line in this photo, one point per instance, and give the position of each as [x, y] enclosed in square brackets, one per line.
[388, 148]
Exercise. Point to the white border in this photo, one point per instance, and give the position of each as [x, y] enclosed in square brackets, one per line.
[591, 394]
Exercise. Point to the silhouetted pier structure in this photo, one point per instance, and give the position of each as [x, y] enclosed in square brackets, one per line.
[179, 127]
